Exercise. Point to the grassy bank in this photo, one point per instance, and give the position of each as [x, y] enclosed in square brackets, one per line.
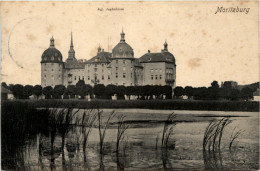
[147, 104]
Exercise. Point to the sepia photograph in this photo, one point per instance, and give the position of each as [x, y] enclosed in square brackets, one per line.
[130, 85]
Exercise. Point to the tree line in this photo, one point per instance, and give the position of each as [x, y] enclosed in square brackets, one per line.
[215, 92]
[82, 90]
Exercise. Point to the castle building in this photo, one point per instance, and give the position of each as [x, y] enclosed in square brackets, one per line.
[119, 67]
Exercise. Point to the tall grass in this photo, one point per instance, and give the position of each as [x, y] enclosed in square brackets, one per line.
[87, 121]
[168, 130]
[64, 122]
[233, 137]
[213, 134]
[102, 127]
[121, 128]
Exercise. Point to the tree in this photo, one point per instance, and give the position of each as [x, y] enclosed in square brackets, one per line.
[48, 92]
[110, 90]
[120, 92]
[11, 86]
[235, 94]
[99, 90]
[17, 90]
[227, 85]
[178, 91]
[214, 84]
[71, 90]
[246, 93]
[130, 90]
[167, 90]
[37, 90]
[147, 91]
[27, 91]
[157, 91]
[81, 89]
[89, 89]
[188, 91]
[3, 84]
[58, 91]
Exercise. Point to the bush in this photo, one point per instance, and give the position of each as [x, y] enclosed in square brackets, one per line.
[150, 104]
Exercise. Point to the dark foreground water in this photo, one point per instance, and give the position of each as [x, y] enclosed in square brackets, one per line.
[140, 148]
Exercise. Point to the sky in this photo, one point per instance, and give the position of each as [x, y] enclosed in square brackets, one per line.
[206, 46]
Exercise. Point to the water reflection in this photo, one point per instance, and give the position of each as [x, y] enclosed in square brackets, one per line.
[138, 153]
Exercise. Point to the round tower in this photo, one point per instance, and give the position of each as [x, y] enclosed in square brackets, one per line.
[51, 66]
[122, 63]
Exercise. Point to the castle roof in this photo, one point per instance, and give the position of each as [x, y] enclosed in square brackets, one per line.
[51, 55]
[101, 57]
[122, 49]
[157, 57]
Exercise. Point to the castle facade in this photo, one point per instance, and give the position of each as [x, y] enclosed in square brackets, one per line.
[119, 67]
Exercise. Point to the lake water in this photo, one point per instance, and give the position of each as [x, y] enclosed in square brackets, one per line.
[138, 149]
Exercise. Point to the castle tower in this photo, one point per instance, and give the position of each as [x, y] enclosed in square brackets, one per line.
[122, 63]
[51, 66]
[71, 53]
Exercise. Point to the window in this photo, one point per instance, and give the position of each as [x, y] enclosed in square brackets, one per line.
[124, 84]
[156, 77]
[123, 68]
[95, 69]
[116, 75]
[83, 77]
[75, 78]
[102, 70]
[44, 69]
[160, 70]
[117, 61]
[131, 68]
[102, 77]
[108, 77]
[131, 75]
[59, 76]
[88, 78]
[155, 70]
[151, 77]
[88, 71]
[95, 65]
[123, 75]
[52, 77]
[52, 58]
[59, 64]
[123, 61]
[116, 68]
[151, 70]
[51, 69]
[102, 65]
[45, 77]
[160, 77]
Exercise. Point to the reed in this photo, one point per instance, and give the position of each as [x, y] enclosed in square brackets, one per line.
[102, 127]
[168, 130]
[213, 134]
[121, 128]
[87, 122]
[233, 137]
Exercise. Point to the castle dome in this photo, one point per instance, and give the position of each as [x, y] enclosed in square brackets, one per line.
[51, 55]
[122, 49]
